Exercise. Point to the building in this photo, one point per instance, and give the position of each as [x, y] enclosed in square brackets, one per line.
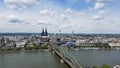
[114, 45]
[44, 35]
[2, 42]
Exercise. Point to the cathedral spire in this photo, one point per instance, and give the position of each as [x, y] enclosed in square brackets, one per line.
[46, 33]
[43, 33]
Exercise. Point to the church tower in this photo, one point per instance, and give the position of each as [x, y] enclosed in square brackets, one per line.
[43, 33]
[46, 33]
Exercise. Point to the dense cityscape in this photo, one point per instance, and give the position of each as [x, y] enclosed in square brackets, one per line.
[15, 42]
[19, 40]
[59, 33]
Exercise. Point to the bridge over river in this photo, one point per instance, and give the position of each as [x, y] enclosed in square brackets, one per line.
[66, 57]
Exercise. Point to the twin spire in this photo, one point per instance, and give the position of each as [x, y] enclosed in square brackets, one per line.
[44, 32]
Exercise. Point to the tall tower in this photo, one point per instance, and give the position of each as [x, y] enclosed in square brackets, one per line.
[43, 33]
[46, 33]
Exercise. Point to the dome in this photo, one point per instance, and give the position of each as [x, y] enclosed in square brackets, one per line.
[69, 43]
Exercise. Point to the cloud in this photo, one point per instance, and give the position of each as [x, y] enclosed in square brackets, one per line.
[68, 11]
[13, 19]
[19, 4]
[66, 26]
[64, 17]
[60, 17]
[43, 23]
[99, 5]
[47, 12]
[102, 12]
[100, 0]
[82, 13]
[97, 17]
[44, 12]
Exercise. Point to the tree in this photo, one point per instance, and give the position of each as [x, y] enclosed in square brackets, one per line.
[95, 66]
[105, 66]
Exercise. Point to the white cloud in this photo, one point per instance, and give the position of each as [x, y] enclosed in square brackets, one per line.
[82, 13]
[46, 23]
[63, 17]
[68, 11]
[97, 17]
[67, 26]
[99, 5]
[13, 19]
[19, 4]
[44, 12]
[47, 12]
[56, 17]
[102, 12]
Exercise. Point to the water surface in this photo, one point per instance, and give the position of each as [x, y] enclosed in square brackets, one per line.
[30, 60]
[99, 57]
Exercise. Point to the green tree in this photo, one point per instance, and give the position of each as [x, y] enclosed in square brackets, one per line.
[95, 66]
[105, 66]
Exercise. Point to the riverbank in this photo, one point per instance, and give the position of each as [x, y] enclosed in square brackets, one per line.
[25, 48]
[96, 49]
[41, 50]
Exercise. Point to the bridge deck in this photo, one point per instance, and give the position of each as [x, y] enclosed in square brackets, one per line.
[66, 56]
[63, 58]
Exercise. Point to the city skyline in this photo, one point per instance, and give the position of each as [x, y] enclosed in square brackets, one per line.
[80, 16]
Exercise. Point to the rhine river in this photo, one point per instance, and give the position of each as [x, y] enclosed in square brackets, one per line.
[48, 60]
[30, 60]
[98, 57]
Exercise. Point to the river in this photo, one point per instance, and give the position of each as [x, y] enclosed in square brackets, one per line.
[42, 59]
[98, 57]
[29, 60]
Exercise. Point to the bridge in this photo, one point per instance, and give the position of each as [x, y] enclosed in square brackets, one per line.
[66, 57]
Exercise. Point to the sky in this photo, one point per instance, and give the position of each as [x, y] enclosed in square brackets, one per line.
[65, 16]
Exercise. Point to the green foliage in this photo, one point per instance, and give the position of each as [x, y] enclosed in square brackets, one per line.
[10, 49]
[105, 66]
[95, 66]
[2, 49]
[7, 49]
[44, 46]
[28, 48]
[18, 49]
[36, 47]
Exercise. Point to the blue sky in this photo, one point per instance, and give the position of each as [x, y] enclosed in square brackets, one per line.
[80, 16]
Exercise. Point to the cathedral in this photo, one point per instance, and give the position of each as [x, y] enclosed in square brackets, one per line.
[44, 35]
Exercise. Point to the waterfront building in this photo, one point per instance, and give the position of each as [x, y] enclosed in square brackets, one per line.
[114, 45]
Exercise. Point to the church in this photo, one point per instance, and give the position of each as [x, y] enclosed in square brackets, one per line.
[44, 35]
